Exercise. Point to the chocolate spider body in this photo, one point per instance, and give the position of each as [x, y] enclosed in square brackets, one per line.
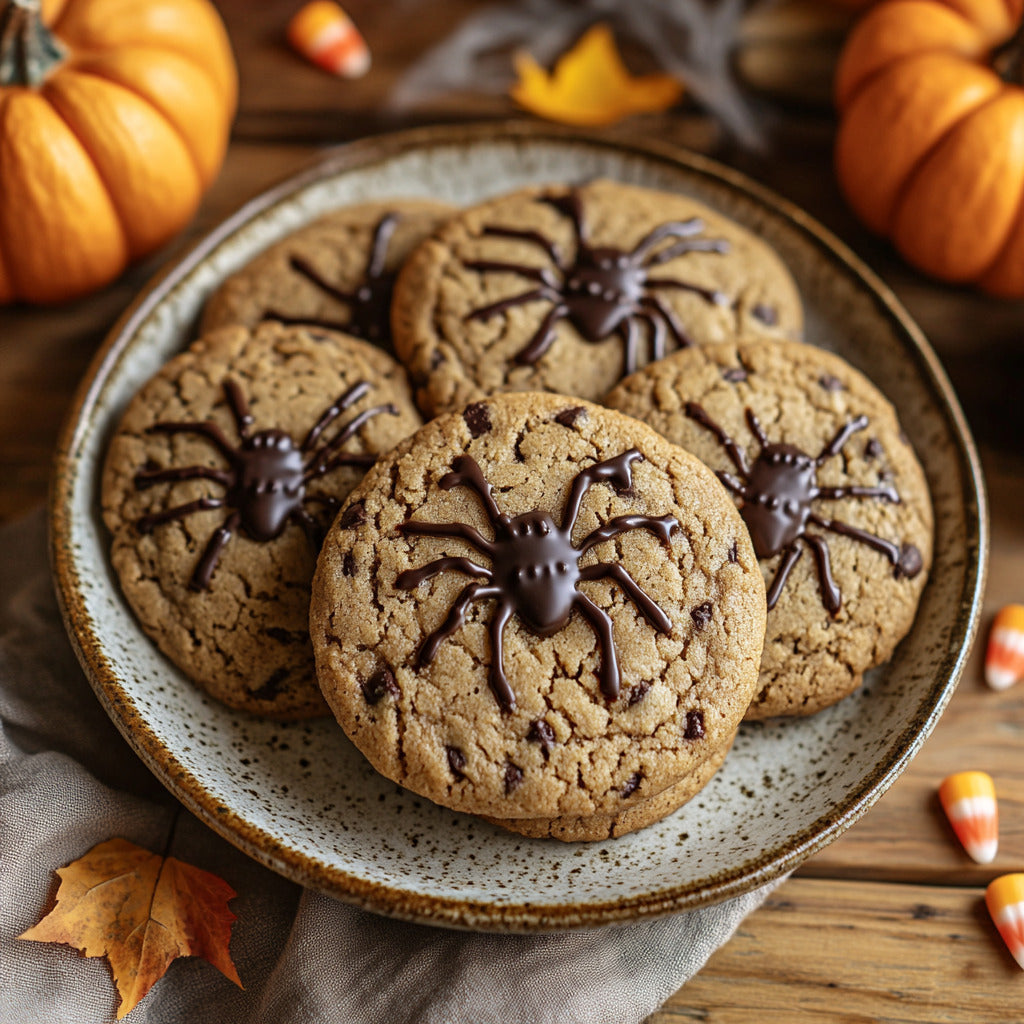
[266, 477]
[604, 290]
[535, 569]
[778, 493]
[369, 305]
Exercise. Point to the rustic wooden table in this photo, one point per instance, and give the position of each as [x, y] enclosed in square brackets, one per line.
[886, 924]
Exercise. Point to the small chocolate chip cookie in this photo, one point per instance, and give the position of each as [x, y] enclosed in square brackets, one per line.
[567, 289]
[829, 487]
[338, 272]
[218, 486]
[538, 608]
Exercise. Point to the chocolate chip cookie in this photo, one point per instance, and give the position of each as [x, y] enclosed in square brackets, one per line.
[218, 485]
[538, 608]
[567, 289]
[829, 487]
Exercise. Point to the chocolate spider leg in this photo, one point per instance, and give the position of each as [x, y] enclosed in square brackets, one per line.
[534, 237]
[733, 483]
[308, 271]
[629, 338]
[319, 464]
[712, 295]
[467, 472]
[616, 471]
[885, 491]
[645, 605]
[333, 411]
[732, 449]
[456, 617]
[671, 229]
[660, 526]
[790, 556]
[148, 477]
[539, 274]
[379, 248]
[311, 528]
[658, 324]
[211, 556]
[905, 558]
[496, 677]
[608, 669]
[654, 307]
[835, 446]
[207, 429]
[670, 252]
[144, 524]
[570, 205]
[410, 579]
[239, 407]
[543, 337]
[755, 428]
[831, 596]
[492, 309]
[467, 533]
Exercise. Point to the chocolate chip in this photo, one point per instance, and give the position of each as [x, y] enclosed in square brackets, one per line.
[542, 733]
[456, 761]
[568, 417]
[830, 383]
[910, 563]
[768, 315]
[735, 374]
[631, 784]
[348, 564]
[638, 693]
[701, 615]
[271, 688]
[513, 777]
[734, 551]
[380, 683]
[352, 516]
[478, 418]
[517, 449]
[694, 729]
[873, 449]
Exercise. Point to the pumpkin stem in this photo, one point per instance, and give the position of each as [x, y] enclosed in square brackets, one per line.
[29, 51]
[1008, 59]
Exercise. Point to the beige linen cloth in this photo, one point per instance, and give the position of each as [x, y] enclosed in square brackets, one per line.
[69, 781]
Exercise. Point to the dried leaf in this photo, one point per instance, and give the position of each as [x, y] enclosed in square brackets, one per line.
[590, 85]
[141, 911]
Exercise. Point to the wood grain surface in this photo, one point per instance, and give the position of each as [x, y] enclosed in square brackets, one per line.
[887, 923]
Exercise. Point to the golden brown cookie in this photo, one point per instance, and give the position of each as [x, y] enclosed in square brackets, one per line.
[219, 482]
[538, 608]
[567, 289]
[829, 486]
[337, 272]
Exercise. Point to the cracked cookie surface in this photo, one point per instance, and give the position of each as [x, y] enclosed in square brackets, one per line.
[562, 289]
[234, 615]
[846, 548]
[337, 272]
[412, 682]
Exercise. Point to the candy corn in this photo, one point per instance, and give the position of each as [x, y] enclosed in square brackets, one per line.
[969, 800]
[1005, 900]
[323, 33]
[1004, 657]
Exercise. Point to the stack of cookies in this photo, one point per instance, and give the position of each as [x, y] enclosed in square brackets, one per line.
[522, 494]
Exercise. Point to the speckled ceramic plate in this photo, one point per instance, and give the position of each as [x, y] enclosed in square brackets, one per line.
[299, 797]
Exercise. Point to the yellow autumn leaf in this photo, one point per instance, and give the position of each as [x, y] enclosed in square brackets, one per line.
[141, 911]
[590, 85]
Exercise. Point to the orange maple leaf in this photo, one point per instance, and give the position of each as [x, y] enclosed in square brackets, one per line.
[590, 85]
[141, 911]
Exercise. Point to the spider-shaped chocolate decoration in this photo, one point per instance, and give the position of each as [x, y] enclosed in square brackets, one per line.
[778, 493]
[603, 290]
[535, 568]
[266, 478]
[369, 305]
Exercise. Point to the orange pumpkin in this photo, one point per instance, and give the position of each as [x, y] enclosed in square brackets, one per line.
[930, 150]
[114, 119]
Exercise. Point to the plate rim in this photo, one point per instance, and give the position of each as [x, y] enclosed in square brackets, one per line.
[480, 914]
